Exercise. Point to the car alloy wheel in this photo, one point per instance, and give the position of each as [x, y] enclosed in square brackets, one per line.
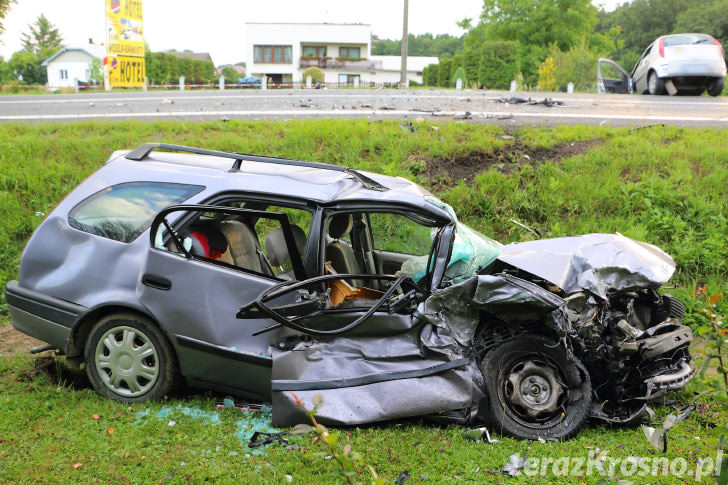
[129, 359]
[126, 361]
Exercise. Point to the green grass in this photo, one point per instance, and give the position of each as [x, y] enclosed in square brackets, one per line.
[47, 425]
[663, 185]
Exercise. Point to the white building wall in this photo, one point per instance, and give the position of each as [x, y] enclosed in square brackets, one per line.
[77, 65]
[296, 35]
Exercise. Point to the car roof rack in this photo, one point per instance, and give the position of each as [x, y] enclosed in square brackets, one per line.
[142, 152]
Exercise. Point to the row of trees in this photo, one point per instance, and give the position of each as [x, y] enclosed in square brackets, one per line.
[166, 68]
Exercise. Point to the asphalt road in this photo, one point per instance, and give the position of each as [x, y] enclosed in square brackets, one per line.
[476, 106]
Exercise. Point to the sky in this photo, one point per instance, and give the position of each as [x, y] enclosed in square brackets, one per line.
[217, 26]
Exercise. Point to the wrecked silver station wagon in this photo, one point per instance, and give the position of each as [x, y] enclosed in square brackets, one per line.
[263, 276]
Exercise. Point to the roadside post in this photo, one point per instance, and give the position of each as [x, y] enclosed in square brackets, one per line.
[181, 83]
[570, 88]
[459, 84]
[308, 82]
[221, 83]
[514, 85]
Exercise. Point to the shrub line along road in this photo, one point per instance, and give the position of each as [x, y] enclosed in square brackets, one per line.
[482, 106]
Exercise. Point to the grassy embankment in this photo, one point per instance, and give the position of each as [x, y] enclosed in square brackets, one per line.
[666, 186]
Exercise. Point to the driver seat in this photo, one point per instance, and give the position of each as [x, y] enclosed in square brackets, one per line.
[340, 253]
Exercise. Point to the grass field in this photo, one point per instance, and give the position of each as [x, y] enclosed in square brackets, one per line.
[663, 185]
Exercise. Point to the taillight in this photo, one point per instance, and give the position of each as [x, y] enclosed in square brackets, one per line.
[661, 46]
[722, 51]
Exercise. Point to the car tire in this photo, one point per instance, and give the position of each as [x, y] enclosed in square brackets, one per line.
[129, 359]
[715, 87]
[534, 390]
[655, 85]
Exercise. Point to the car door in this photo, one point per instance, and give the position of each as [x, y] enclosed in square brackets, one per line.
[203, 263]
[372, 354]
[612, 78]
[641, 68]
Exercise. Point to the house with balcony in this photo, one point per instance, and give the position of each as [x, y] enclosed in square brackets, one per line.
[281, 52]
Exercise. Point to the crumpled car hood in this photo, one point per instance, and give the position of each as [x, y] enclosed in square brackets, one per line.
[599, 263]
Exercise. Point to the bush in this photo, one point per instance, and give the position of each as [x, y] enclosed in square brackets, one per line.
[317, 75]
[546, 77]
[444, 73]
[499, 64]
[459, 74]
[429, 75]
[578, 65]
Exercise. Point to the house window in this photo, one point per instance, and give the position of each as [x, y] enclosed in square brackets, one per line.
[272, 54]
[64, 73]
[348, 78]
[314, 51]
[351, 52]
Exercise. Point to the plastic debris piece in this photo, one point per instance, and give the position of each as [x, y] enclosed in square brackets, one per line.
[514, 465]
[171, 423]
[261, 438]
[478, 434]
[657, 436]
[167, 101]
[402, 478]
[289, 478]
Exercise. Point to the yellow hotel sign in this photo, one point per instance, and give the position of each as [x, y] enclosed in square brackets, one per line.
[124, 28]
[126, 71]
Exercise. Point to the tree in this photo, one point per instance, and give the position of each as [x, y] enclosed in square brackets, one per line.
[6, 72]
[27, 65]
[44, 38]
[537, 24]
[96, 72]
[708, 17]
[4, 9]
[459, 74]
[444, 73]
[499, 64]
[442, 45]
[231, 75]
[429, 75]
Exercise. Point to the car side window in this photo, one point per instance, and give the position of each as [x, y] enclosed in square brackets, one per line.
[229, 237]
[271, 242]
[122, 212]
[399, 234]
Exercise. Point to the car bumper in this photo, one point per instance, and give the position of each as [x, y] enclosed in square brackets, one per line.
[691, 68]
[41, 316]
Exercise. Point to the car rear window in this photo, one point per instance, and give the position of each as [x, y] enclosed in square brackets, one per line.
[122, 212]
[687, 39]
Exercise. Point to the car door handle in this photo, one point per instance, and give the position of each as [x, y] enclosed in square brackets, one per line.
[156, 281]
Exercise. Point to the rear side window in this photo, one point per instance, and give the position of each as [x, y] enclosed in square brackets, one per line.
[122, 212]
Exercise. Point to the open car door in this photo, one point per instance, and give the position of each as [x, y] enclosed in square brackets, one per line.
[371, 354]
[203, 262]
[612, 78]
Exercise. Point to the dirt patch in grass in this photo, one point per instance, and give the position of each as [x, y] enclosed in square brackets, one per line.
[12, 341]
[445, 172]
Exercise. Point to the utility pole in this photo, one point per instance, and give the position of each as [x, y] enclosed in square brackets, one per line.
[405, 38]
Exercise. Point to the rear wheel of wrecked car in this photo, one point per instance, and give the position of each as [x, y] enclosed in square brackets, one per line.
[129, 359]
[534, 390]
[655, 85]
[715, 87]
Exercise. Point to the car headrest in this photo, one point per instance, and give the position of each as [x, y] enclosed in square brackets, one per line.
[340, 225]
[207, 241]
[276, 248]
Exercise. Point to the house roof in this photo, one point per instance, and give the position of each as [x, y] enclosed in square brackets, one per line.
[200, 56]
[97, 51]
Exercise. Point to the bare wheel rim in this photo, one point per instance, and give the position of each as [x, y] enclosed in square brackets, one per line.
[533, 391]
[126, 361]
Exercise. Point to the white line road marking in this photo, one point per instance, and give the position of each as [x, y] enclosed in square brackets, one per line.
[696, 102]
[358, 113]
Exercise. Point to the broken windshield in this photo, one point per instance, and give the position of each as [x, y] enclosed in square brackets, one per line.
[471, 251]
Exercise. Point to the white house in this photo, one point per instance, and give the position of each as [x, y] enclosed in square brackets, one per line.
[72, 63]
[281, 52]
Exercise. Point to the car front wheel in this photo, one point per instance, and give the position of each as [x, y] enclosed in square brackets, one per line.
[655, 85]
[129, 359]
[534, 390]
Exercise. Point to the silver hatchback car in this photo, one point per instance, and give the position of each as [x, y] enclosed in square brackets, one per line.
[262, 276]
[673, 64]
